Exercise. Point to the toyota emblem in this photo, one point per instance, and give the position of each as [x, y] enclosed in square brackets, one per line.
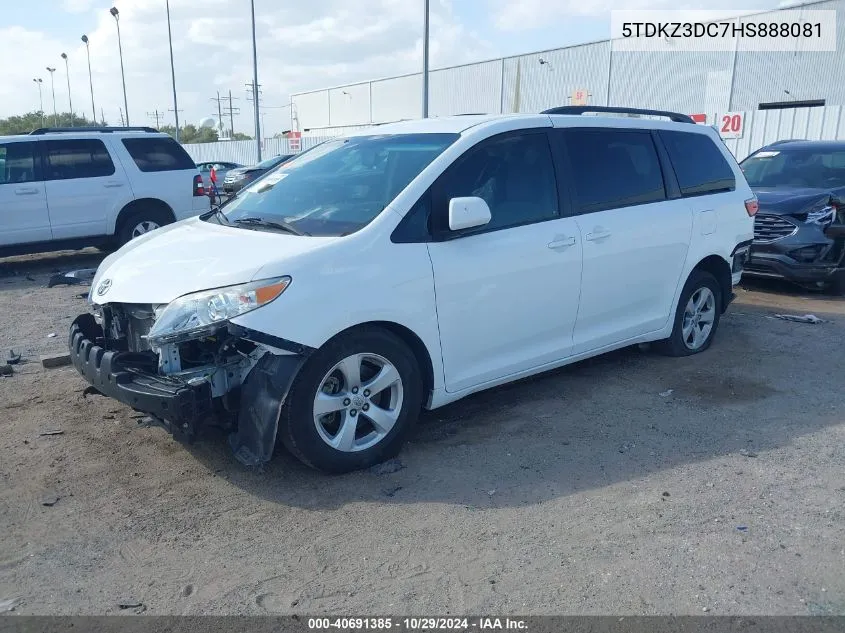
[104, 286]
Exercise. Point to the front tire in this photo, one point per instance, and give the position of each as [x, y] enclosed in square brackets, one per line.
[696, 316]
[353, 403]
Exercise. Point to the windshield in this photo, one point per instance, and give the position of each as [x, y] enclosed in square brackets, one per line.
[795, 168]
[340, 186]
[270, 162]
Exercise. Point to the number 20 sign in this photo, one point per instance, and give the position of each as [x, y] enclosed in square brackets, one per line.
[731, 124]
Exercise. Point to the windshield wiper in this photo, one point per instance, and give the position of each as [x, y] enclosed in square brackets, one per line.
[271, 224]
[221, 217]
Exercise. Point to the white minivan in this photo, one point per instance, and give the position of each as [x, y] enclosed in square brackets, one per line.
[409, 265]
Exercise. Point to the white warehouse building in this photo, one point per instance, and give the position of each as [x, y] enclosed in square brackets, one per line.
[799, 85]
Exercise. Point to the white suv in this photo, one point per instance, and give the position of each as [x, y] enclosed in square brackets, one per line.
[412, 265]
[64, 188]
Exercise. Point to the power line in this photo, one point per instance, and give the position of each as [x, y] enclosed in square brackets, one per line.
[157, 116]
[232, 111]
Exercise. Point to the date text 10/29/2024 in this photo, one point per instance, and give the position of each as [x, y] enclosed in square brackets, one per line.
[417, 624]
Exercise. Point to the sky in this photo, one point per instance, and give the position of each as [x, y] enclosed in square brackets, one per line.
[302, 45]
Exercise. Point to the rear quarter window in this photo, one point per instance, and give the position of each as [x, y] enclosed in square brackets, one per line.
[158, 154]
[699, 165]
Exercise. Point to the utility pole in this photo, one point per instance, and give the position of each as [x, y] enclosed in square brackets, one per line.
[255, 84]
[122, 124]
[219, 113]
[172, 70]
[102, 117]
[155, 115]
[425, 65]
[232, 114]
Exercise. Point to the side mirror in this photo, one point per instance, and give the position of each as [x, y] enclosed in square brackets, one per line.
[466, 213]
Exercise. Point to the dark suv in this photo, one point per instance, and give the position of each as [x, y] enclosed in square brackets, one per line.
[798, 230]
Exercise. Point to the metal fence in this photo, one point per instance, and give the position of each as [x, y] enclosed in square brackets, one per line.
[243, 152]
[760, 127]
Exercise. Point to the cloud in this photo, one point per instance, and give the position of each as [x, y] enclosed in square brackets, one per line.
[524, 15]
[301, 46]
[77, 6]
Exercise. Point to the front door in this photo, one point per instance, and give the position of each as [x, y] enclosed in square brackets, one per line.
[507, 293]
[24, 217]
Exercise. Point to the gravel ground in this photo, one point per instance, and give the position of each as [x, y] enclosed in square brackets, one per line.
[629, 484]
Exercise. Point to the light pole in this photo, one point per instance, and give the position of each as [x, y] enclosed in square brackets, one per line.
[425, 64]
[255, 85]
[172, 71]
[116, 14]
[69, 100]
[53, 90]
[90, 80]
[38, 82]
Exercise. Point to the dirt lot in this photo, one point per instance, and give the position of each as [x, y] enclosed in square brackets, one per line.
[588, 490]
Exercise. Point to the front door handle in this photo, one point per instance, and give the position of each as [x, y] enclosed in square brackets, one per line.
[597, 234]
[114, 184]
[26, 191]
[561, 242]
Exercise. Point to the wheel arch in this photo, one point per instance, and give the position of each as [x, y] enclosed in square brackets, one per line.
[721, 270]
[414, 343]
[139, 205]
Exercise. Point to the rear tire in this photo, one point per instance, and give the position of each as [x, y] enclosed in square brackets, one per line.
[836, 286]
[140, 222]
[696, 316]
[331, 421]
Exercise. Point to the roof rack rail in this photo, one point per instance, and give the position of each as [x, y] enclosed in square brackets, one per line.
[674, 116]
[71, 130]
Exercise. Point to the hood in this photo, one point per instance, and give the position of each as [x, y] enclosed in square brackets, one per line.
[792, 201]
[240, 170]
[193, 255]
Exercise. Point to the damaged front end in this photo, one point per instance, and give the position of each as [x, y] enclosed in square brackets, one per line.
[221, 375]
[798, 236]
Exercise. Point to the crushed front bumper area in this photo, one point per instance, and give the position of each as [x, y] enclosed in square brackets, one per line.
[186, 407]
[811, 255]
[131, 378]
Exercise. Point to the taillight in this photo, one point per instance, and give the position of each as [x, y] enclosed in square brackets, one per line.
[199, 188]
[751, 206]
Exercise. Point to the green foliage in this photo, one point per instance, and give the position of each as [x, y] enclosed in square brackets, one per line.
[24, 124]
[191, 133]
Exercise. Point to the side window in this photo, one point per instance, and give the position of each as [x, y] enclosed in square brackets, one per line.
[612, 168]
[18, 163]
[77, 158]
[158, 154]
[513, 173]
[699, 165]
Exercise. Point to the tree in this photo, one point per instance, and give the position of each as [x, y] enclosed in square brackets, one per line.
[26, 123]
[191, 133]
[240, 136]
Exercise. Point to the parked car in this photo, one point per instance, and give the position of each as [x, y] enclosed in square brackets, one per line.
[67, 188]
[221, 169]
[386, 272]
[240, 177]
[800, 186]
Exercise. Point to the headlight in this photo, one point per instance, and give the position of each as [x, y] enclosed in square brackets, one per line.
[240, 176]
[202, 313]
[822, 216]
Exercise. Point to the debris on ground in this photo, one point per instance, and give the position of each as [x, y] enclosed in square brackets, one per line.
[807, 318]
[742, 528]
[389, 492]
[6, 370]
[51, 335]
[387, 468]
[667, 393]
[139, 607]
[9, 604]
[12, 358]
[52, 432]
[73, 278]
[491, 492]
[51, 361]
[50, 499]
[746, 453]
[666, 494]
[91, 391]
